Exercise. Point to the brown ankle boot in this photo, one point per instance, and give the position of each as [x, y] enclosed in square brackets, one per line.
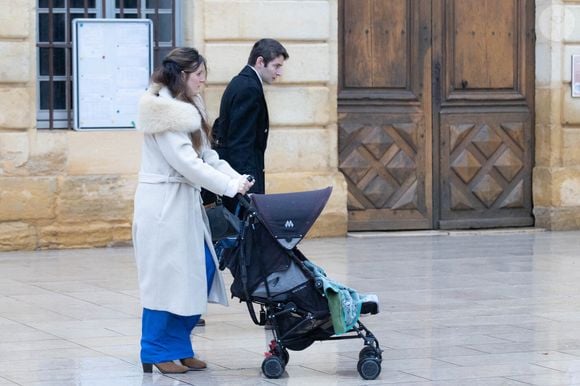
[193, 364]
[165, 368]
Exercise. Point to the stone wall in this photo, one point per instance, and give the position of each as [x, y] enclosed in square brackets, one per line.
[58, 189]
[66, 189]
[61, 189]
[302, 149]
[25, 197]
[556, 177]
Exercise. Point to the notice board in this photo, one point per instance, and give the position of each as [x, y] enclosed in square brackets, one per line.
[112, 63]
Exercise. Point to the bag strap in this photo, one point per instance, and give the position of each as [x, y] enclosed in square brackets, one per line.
[253, 313]
[249, 223]
[244, 272]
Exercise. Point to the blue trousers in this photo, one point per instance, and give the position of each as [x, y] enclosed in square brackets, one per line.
[165, 336]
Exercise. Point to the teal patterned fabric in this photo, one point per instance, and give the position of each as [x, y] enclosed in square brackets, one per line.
[344, 302]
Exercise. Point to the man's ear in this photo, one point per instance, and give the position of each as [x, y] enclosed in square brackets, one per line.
[260, 62]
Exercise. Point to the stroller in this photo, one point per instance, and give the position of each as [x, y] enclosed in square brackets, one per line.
[269, 271]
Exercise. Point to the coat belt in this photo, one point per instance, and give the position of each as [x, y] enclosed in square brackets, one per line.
[151, 178]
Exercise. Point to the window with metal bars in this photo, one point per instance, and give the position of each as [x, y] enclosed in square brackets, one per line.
[54, 46]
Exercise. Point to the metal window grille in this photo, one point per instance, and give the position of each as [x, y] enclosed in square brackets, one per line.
[54, 46]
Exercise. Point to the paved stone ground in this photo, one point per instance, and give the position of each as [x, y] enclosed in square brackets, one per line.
[457, 308]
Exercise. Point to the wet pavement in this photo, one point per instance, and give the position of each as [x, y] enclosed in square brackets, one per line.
[457, 308]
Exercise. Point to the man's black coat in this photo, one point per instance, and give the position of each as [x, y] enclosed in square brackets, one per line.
[241, 131]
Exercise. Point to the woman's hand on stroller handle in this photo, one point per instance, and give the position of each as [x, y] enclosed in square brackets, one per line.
[245, 182]
[242, 197]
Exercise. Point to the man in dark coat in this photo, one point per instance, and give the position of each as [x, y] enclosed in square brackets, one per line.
[241, 131]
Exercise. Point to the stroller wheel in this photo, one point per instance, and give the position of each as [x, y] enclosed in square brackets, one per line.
[367, 352]
[273, 367]
[369, 368]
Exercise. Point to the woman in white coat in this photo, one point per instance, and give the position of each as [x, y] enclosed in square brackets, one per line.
[176, 261]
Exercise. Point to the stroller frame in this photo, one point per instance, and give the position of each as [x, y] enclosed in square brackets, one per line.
[273, 310]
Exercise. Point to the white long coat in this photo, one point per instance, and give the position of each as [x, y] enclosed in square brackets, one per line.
[169, 223]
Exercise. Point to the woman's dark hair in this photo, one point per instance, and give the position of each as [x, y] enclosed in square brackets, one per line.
[170, 75]
[269, 49]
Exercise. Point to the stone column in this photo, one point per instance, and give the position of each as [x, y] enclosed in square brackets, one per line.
[22, 197]
[556, 177]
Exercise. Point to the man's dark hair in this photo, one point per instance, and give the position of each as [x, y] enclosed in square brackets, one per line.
[269, 49]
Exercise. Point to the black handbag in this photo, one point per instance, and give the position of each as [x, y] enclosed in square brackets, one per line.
[222, 222]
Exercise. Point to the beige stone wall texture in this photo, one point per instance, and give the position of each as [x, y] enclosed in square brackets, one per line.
[556, 177]
[302, 149]
[66, 189]
[58, 189]
[61, 189]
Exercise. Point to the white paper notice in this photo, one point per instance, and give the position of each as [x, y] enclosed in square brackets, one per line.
[93, 40]
[133, 77]
[97, 112]
[113, 64]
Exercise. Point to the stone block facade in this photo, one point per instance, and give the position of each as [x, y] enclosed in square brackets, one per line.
[556, 176]
[58, 189]
[64, 189]
[302, 150]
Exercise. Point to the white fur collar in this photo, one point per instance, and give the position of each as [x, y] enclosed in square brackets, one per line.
[159, 112]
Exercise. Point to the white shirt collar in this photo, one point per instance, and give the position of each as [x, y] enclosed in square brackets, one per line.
[256, 71]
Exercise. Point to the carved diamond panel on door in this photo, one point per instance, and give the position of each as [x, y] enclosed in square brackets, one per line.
[487, 162]
[384, 166]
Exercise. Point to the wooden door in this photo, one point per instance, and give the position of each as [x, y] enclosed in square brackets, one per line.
[483, 61]
[384, 107]
[435, 106]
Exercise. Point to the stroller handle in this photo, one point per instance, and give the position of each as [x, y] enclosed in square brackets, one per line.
[244, 199]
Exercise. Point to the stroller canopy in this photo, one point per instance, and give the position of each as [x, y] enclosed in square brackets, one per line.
[289, 216]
